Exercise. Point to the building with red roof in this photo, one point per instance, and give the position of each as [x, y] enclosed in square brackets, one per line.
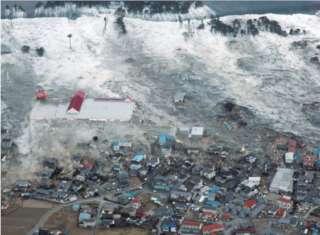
[284, 203]
[191, 225]
[243, 231]
[76, 102]
[225, 217]
[209, 229]
[135, 203]
[292, 146]
[250, 204]
[308, 162]
[281, 213]
[141, 214]
[208, 215]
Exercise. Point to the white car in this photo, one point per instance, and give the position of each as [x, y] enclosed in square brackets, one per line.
[154, 191]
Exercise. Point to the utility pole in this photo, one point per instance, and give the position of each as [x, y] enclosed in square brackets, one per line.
[70, 36]
[105, 24]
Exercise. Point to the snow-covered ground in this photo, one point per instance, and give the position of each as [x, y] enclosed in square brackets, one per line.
[262, 73]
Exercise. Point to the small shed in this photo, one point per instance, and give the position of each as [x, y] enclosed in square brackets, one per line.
[5, 49]
[75, 207]
[184, 130]
[184, 76]
[6, 143]
[119, 78]
[289, 157]
[197, 132]
[179, 97]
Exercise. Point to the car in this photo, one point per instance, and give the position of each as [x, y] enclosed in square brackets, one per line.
[154, 191]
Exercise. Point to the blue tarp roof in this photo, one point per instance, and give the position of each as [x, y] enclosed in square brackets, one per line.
[170, 225]
[75, 206]
[161, 187]
[138, 158]
[209, 202]
[116, 143]
[131, 194]
[162, 139]
[318, 162]
[317, 151]
[83, 216]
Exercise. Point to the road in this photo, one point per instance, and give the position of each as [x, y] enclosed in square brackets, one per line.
[100, 199]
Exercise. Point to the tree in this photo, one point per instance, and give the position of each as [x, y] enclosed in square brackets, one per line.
[120, 23]
[25, 49]
[198, 4]
[229, 106]
[40, 52]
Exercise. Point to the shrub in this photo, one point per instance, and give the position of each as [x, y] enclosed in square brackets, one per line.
[25, 49]
[40, 51]
[229, 106]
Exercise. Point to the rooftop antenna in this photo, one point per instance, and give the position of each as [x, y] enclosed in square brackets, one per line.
[70, 36]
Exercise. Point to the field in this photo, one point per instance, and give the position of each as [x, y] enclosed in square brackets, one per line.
[124, 231]
[134, 181]
[31, 203]
[21, 221]
[261, 224]
[62, 219]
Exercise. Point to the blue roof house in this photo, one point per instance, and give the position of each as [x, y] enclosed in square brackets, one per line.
[5, 49]
[139, 157]
[83, 216]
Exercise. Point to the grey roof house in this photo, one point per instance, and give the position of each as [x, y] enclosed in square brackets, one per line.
[5, 49]
[179, 97]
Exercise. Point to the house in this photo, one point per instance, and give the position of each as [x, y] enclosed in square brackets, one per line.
[229, 208]
[116, 158]
[210, 208]
[179, 97]
[6, 143]
[255, 180]
[117, 145]
[153, 162]
[184, 76]
[111, 188]
[193, 150]
[271, 198]
[177, 219]
[184, 130]
[224, 152]
[123, 176]
[300, 45]
[208, 215]
[50, 162]
[123, 199]
[87, 223]
[161, 180]
[245, 213]
[212, 228]
[164, 212]
[226, 218]
[281, 213]
[306, 178]
[64, 186]
[289, 157]
[171, 227]
[257, 210]
[208, 173]
[76, 102]
[41, 194]
[175, 194]
[284, 203]
[250, 204]
[308, 163]
[21, 185]
[60, 196]
[44, 174]
[282, 181]
[315, 59]
[43, 231]
[292, 146]
[236, 210]
[243, 231]
[135, 203]
[135, 167]
[273, 211]
[282, 223]
[197, 168]
[191, 225]
[196, 132]
[138, 159]
[122, 185]
[214, 149]
[5, 49]
[90, 191]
